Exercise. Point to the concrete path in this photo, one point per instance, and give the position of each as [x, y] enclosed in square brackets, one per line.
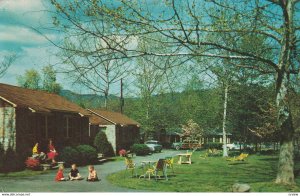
[46, 183]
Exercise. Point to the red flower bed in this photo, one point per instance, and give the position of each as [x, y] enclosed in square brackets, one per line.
[32, 163]
[122, 153]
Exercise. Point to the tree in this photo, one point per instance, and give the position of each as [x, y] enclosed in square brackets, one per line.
[102, 144]
[31, 79]
[192, 130]
[49, 80]
[186, 25]
[6, 63]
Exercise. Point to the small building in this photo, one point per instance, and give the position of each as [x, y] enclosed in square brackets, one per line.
[28, 116]
[121, 131]
[216, 135]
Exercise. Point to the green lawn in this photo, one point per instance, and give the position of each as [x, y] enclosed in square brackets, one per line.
[24, 173]
[212, 174]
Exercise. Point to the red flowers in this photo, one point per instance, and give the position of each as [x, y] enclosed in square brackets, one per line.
[32, 164]
[122, 153]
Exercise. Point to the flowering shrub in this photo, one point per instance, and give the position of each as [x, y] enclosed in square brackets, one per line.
[122, 153]
[32, 164]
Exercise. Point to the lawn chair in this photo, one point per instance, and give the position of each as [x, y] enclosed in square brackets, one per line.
[170, 163]
[161, 166]
[241, 157]
[130, 165]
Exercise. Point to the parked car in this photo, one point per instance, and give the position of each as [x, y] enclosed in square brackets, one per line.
[188, 144]
[232, 146]
[237, 146]
[154, 145]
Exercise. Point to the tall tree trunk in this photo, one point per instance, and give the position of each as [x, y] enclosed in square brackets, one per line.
[285, 173]
[225, 154]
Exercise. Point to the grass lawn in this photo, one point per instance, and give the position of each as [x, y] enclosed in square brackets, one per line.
[24, 173]
[212, 174]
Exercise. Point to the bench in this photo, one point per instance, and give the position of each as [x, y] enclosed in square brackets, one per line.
[60, 163]
[46, 166]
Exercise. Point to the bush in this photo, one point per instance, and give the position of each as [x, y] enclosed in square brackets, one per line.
[122, 153]
[33, 164]
[2, 154]
[140, 149]
[12, 161]
[213, 145]
[102, 145]
[70, 155]
[87, 154]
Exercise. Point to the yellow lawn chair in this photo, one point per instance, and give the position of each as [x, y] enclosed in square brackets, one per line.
[130, 165]
[170, 163]
[241, 157]
[159, 166]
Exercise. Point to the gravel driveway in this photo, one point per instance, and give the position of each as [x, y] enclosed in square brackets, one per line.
[46, 183]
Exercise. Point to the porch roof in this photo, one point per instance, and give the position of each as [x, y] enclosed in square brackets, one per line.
[104, 117]
[38, 101]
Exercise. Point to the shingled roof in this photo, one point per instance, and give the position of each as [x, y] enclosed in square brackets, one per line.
[104, 117]
[38, 101]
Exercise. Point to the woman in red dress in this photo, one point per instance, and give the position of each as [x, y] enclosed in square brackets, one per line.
[52, 152]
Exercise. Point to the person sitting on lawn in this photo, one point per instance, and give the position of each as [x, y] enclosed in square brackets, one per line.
[60, 174]
[36, 153]
[92, 174]
[52, 152]
[74, 173]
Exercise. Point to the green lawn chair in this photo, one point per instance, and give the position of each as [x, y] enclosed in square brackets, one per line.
[161, 166]
[130, 165]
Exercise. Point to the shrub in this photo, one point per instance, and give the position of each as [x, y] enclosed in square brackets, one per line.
[2, 154]
[70, 155]
[140, 149]
[122, 153]
[12, 161]
[213, 145]
[87, 154]
[32, 163]
[102, 145]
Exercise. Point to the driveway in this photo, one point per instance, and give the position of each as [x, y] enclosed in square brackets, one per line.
[46, 183]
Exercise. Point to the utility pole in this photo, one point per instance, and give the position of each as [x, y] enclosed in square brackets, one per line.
[121, 98]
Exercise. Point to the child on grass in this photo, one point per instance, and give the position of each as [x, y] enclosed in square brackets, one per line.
[60, 174]
[92, 174]
[74, 173]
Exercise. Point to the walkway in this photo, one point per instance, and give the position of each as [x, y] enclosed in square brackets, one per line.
[46, 183]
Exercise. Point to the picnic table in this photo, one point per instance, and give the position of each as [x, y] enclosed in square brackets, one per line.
[187, 155]
[147, 168]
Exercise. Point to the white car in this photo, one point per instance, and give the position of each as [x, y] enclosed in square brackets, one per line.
[232, 146]
[154, 145]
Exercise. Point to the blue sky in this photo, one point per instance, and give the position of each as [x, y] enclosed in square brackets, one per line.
[17, 18]
[32, 49]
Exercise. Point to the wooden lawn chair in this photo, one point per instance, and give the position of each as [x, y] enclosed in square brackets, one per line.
[130, 165]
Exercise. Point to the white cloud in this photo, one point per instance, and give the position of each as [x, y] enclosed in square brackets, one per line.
[22, 35]
[21, 5]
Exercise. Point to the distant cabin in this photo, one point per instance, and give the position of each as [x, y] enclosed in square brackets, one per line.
[121, 131]
[28, 116]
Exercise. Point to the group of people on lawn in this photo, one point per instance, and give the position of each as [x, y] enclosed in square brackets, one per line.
[75, 175]
[74, 172]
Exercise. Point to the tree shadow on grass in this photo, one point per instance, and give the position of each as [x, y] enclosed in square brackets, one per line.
[238, 163]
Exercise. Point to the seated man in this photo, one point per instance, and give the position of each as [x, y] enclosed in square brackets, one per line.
[74, 173]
